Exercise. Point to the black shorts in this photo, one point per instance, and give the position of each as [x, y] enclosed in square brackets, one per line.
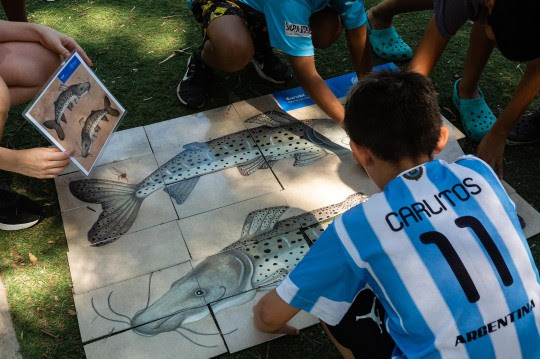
[362, 329]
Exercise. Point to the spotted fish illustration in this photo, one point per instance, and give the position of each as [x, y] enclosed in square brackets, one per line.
[91, 125]
[69, 96]
[268, 249]
[280, 137]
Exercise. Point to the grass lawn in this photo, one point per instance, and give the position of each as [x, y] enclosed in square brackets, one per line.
[127, 40]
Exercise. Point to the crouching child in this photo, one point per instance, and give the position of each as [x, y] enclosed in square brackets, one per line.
[434, 266]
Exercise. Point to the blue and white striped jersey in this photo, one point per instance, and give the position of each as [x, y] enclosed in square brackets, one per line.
[443, 250]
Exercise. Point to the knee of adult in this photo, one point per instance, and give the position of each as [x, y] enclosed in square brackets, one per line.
[46, 63]
[238, 56]
[325, 28]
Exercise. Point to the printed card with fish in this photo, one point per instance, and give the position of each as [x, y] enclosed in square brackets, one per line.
[75, 111]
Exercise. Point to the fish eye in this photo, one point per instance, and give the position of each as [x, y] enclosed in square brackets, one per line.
[199, 292]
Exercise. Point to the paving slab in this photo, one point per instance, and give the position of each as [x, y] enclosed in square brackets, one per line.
[238, 321]
[131, 256]
[222, 188]
[184, 343]
[122, 306]
[210, 232]
[123, 145]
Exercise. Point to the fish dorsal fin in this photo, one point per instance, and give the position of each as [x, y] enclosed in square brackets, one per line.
[180, 190]
[262, 221]
[272, 119]
[81, 122]
[62, 87]
[195, 146]
[247, 168]
[269, 164]
[323, 141]
[308, 158]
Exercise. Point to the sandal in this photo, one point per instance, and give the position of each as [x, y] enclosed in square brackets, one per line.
[526, 129]
[387, 44]
[476, 116]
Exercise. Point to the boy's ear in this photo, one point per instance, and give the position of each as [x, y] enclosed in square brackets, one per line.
[443, 139]
[360, 153]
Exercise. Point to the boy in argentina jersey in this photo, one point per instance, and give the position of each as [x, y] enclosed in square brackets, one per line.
[237, 32]
[441, 246]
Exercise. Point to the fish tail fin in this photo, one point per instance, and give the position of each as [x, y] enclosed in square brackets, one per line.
[55, 126]
[108, 107]
[118, 201]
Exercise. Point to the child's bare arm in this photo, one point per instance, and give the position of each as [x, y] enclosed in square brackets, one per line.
[272, 313]
[316, 88]
[429, 50]
[491, 148]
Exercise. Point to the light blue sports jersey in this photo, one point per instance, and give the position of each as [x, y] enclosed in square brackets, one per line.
[288, 20]
[443, 250]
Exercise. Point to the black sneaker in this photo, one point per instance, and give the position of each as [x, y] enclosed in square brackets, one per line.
[526, 129]
[17, 211]
[270, 67]
[194, 89]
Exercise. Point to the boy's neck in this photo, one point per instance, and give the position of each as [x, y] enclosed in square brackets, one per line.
[387, 171]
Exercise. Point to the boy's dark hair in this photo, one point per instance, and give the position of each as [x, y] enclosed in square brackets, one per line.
[394, 114]
[516, 28]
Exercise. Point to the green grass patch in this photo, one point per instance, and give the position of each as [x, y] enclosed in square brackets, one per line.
[127, 40]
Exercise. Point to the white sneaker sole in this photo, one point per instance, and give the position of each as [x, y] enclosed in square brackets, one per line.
[263, 75]
[16, 227]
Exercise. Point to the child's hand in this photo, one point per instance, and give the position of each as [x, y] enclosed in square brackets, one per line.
[60, 43]
[287, 329]
[40, 162]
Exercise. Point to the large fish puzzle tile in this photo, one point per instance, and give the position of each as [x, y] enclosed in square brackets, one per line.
[210, 232]
[530, 216]
[131, 256]
[197, 127]
[168, 345]
[328, 181]
[144, 303]
[122, 145]
[237, 321]
[222, 188]
[126, 211]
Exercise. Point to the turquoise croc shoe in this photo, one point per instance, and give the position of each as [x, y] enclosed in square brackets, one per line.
[387, 44]
[476, 116]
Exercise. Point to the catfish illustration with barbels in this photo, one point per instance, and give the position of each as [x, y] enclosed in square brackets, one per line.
[69, 97]
[90, 126]
[268, 249]
[280, 137]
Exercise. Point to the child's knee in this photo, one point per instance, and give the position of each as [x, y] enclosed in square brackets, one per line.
[325, 28]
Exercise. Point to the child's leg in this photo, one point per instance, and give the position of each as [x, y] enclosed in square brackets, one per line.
[381, 15]
[480, 48]
[15, 10]
[325, 28]
[362, 332]
[345, 352]
[25, 67]
[229, 46]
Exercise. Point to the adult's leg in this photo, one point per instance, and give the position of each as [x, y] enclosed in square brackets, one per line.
[480, 48]
[229, 46]
[381, 15]
[25, 67]
[15, 10]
